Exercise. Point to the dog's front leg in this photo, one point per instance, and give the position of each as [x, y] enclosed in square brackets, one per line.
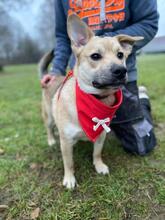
[67, 153]
[97, 158]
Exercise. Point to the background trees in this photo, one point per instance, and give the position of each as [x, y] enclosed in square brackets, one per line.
[16, 44]
[45, 25]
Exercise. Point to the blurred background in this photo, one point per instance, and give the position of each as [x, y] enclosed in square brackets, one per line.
[27, 30]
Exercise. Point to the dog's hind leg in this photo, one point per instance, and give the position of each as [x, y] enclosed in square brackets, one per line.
[50, 132]
[49, 124]
[97, 158]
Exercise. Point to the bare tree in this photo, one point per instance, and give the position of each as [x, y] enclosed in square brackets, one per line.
[10, 34]
[6, 36]
[15, 45]
[27, 51]
[46, 25]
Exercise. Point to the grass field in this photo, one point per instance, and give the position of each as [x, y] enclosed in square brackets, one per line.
[31, 172]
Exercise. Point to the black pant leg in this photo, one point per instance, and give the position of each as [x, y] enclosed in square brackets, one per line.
[133, 124]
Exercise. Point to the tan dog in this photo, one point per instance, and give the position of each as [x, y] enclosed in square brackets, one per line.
[100, 70]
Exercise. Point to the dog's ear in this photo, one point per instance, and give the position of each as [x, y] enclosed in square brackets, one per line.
[127, 41]
[78, 31]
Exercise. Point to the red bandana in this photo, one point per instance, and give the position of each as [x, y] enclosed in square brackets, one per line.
[94, 116]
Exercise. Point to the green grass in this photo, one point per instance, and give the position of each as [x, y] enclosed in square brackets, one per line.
[31, 172]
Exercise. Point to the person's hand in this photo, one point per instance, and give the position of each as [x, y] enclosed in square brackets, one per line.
[47, 80]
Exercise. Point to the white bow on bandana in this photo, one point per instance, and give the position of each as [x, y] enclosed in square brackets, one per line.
[101, 122]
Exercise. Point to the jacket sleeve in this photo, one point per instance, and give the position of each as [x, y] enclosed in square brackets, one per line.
[62, 50]
[144, 22]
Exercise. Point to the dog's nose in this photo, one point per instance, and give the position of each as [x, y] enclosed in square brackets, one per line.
[119, 71]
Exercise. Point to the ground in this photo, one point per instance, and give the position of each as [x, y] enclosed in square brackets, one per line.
[31, 172]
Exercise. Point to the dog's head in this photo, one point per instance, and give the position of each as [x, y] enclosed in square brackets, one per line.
[100, 62]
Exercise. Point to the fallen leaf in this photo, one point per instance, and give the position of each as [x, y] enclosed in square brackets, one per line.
[3, 208]
[35, 213]
[1, 151]
[33, 166]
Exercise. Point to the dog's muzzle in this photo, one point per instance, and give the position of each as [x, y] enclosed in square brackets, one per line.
[118, 72]
[115, 78]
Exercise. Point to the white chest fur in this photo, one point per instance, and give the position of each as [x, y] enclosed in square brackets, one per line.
[74, 132]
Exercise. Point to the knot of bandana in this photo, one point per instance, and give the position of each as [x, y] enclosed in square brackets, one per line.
[101, 122]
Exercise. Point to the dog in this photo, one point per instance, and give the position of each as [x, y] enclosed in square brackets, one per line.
[100, 71]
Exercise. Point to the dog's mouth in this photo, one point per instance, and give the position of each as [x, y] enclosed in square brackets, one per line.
[112, 85]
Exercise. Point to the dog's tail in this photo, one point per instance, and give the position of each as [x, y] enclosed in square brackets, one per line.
[44, 63]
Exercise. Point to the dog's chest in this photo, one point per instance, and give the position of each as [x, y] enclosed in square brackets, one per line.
[74, 132]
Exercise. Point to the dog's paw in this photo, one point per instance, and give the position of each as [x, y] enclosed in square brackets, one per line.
[69, 182]
[101, 168]
[51, 142]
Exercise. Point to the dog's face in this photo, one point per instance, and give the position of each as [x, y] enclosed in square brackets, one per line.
[100, 62]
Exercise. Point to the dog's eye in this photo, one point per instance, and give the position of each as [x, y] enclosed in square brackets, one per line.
[120, 55]
[96, 56]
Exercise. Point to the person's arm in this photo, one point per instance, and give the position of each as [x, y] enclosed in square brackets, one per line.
[144, 17]
[62, 48]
